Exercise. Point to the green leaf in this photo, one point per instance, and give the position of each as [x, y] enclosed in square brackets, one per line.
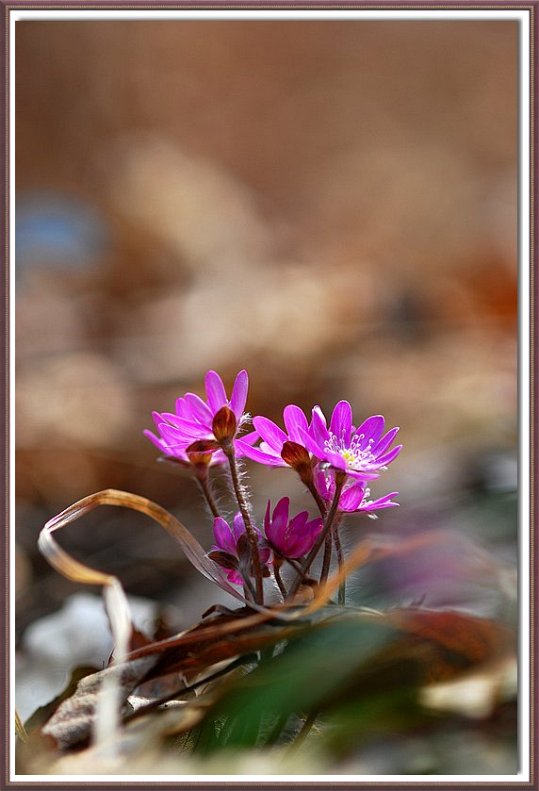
[312, 671]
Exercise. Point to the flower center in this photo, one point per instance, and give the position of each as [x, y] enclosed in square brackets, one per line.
[356, 457]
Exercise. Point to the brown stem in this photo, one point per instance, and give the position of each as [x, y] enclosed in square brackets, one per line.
[340, 560]
[204, 484]
[296, 565]
[228, 449]
[340, 478]
[279, 581]
[326, 562]
[322, 507]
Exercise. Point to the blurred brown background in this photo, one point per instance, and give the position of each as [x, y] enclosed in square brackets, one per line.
[331, 205]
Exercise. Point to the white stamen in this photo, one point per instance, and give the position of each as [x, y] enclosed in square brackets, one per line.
[356, 458]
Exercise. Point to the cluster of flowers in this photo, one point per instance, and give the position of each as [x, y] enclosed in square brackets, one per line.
[336, 462]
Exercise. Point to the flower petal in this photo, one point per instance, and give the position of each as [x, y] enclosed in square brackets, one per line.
[250, 438]
[184, 429]
[168, 417]
[318, 428]
[382, 502]
[238, 526]
[270, 432]
[279, 519]
[294, 418]
[223, 535]
[215, 390]
[304, 536]
[363, 475]
[388, 457]
[370, 429]
[322, 482]
[351, 498]
[385, 442]
[157, 418]
[198, 408]
[180, 407]
[234, 577]
[311, 444]
[336, 460]
[341, 421]
[238, 398]
[159, 444]
[258, 455]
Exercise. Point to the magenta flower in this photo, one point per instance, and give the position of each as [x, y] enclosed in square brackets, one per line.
[354, 496]
[178, 453]
[361, 452]
[230, 545]
[273, 438]
[193, 421]
[291, 538]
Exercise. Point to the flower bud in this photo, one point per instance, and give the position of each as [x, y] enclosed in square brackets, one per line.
[224, 559]
[199, 454]
[299, 459]
[224, 425]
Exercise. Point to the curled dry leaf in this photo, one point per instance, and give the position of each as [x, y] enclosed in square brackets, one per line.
[76, 571]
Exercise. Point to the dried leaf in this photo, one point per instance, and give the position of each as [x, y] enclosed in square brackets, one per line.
[76, 571]
[74, 718]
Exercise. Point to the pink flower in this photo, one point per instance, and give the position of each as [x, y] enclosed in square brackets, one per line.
[232, 549]
[178, 453]
[361, 452]
[291, 538]
[193, 421]
[354, 496]
[273, 438]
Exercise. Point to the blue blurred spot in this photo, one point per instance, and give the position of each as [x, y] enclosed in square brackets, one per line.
[55, 228]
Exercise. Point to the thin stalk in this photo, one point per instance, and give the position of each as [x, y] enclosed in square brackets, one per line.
[296, 565]
[340, 560]
[279, 581]
[228, 449]
[204, 484]
[248, 590]
[322, 507]
[340, 478]
[182, 691]
[326, 562]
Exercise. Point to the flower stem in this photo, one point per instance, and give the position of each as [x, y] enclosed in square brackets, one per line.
[322, 507]
[296, 565]
[326, 562]
[279, 581]
[340, 478]
[340, 560]
[228, 449]
[204, 484]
